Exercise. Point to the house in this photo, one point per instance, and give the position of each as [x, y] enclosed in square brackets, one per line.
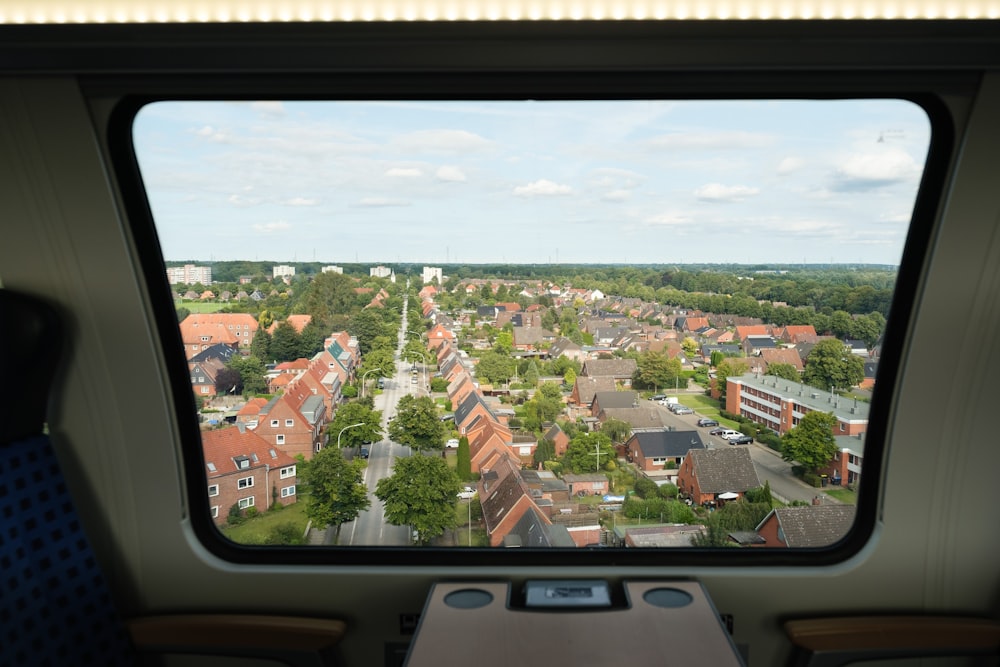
[203, 376]
[621, 370]
[585, 388]
[785, 355]
[707, 474]
[594, 484]
[845, 468]
[294, 421]
[531, 338]
[793, 334]
[506, 499]
[641, 416]
[564, 347]
[605, 400]
[245, 471]
[754, 345]
[199, 331]
[558, 438]
[658, 536]
[654, 449]
[808, 526]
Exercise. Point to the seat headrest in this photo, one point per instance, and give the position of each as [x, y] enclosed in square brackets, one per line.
[31, 341]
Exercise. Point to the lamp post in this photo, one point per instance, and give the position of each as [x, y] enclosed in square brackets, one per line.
[344, 429]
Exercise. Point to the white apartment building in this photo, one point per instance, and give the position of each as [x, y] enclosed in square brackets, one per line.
[432, 272]
[282, 271]
[333, 269]
[380, 271]
[190, 274]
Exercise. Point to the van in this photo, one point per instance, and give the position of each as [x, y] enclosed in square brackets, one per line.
[729, 433]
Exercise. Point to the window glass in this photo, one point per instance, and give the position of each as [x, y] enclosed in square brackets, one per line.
[525, 308]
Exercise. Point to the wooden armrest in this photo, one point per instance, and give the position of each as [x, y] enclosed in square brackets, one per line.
[839, 641]
[297, 640]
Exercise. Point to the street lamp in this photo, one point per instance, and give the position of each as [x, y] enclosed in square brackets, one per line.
[344, 429]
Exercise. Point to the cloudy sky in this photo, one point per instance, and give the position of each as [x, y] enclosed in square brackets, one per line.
[533, 182]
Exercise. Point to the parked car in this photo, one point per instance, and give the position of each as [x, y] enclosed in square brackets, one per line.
[704, 421]
[452, 444]
[682, 410]
[657, 397]
[718, 431]
[729, 433]
[364, 452]
[741, 440]
[467, 493]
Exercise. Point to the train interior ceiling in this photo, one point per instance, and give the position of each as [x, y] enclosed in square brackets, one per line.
[75, 230]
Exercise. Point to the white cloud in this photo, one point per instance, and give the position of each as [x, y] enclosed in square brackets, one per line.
[269, 108]
[243, 202]
[875, 169]
[790, 164]
[450, 174]
[381, 201]
[668, 220]
[271, 227]
[404, 172]
[301, 201]
[711, 140]
[542, 188]
[719, 192]
[617, 195]
[459, 142]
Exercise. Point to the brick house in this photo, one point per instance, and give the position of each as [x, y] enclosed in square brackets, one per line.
[294, 422]
[594, 484]
[558, 438]
[202, 330]
[707, 474]
[809, 526]
[653, 449]
[845, 468]
[244, 470]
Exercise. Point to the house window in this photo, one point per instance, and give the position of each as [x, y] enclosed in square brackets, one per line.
[843, 427]
[246, 502]
[215, 511]
[288, 491]
[288, 471]
[274, 423]
[281, 439]
[245, 483]
[289, 423]
[204, 389]
[213, 490]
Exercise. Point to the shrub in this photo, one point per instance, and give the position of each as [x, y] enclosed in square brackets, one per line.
[252, 512]
[812, 479]
[284, 533]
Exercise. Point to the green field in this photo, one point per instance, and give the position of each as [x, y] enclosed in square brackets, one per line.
[200, 306]
[845, 496]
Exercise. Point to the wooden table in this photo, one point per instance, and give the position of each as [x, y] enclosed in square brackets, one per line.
[642, 633]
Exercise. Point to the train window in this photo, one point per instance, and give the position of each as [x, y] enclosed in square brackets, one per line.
[632, 329]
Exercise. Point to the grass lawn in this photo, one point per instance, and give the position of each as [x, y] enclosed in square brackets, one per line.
[844, 495]
[200, 307]
[257, 529]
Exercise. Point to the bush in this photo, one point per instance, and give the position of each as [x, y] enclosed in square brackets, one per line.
[284, 533]
[235, 517]
[812, 479]
[252, 512]
[668, 491]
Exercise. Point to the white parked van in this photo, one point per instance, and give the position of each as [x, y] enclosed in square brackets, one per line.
[726, 435]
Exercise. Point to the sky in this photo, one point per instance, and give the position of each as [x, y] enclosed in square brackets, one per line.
[538, 182]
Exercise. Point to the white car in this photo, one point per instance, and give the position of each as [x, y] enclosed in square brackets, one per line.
[727, 435]
[452, 444]
[467, 493]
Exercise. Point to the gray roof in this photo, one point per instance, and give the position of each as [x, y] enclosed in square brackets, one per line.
[587, 387]
[616, 399]
[722, 470]
[532, 531]
[623, 368]
[813, 525]
[664, 442]
[845, 409]
[466, 407]
[643, 416]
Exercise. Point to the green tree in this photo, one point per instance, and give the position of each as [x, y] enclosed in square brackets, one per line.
[354, 413]
[589, 452]
[310, 341]
[260, 347]
[504, 343]
[366, 326]
[422, 493]
[337, 493]
[417, 424]
[811, 443]
[182, 313]
[656, 370]
[545, 451]
[284, 342]
[617, 429]
[784, 371]
[252, 372]
[463, 460]
[569, 377]
[727, 368]
[690, 346]
[830, 365]
[495, 368]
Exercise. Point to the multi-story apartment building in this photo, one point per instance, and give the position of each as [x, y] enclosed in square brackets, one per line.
[282, 271]
[189, 274]
[200, 331]
[779, 404]
[432, 273]
[380, 271]
[246, 471]
[333, 269]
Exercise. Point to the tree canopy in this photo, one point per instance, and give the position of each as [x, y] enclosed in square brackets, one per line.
[337, 493]
[831, 365]
[811, 443]
[417, 424]
[422, 493]
[352, 413]
[589, 452]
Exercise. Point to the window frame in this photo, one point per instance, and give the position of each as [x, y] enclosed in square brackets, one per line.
[559, 85]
